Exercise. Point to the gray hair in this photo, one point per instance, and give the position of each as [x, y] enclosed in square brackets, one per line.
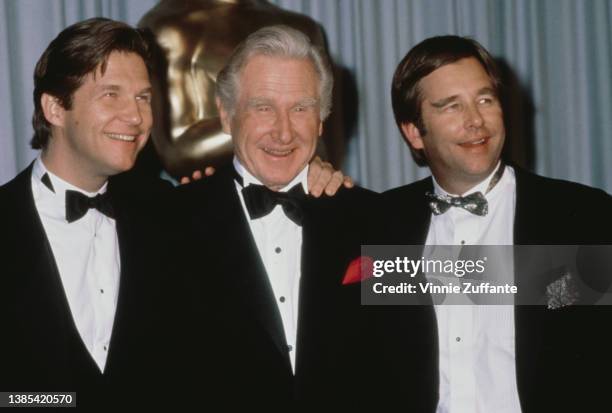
[275, 41]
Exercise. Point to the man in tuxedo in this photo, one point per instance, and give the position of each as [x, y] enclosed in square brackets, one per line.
[80, 297]
[291, 330]
[446, 101]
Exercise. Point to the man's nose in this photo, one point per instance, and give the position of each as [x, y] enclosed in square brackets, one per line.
[131, 112]
[473, 117]
[282, 128]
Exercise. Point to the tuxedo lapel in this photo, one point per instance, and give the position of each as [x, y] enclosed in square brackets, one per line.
[321, 272]
[41, 264]
[40, 280]
[527, 319]
[528, 215]
[422, 214]
[248, 276]
[409, 213]
[127, 236]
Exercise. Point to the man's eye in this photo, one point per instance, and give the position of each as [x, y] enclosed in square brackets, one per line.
[486, 101]
[264, 108]
[144, 98]
[110, 94]
[452, 107]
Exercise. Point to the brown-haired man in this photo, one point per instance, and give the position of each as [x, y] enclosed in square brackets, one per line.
[446, 100]
[80, 295]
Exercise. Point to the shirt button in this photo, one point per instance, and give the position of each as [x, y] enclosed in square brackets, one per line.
[101, 291]
[462, 242]
[277, 250]
[282, 299]
[458, 339]
[290, 347]
[104, 348]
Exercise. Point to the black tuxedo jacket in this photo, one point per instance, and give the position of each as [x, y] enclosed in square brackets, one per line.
[562, 353]
[40, 348]
[347, 354]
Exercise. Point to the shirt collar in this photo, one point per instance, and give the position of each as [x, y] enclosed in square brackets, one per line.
[58, 185]
[248, 178]
[482, 186]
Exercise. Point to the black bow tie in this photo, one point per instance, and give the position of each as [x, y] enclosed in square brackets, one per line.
[475, 203]
[77, 205]
[261, 200]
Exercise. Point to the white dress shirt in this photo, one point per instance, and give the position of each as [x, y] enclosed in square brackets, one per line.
[86, 252]
[476, 343]
[279, 242]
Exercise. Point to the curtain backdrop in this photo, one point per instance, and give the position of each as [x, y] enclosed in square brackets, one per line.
[558, 54]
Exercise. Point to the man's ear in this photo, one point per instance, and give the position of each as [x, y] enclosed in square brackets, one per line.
[224, 116]
[412, 135]
[320, 128]
[53, 110]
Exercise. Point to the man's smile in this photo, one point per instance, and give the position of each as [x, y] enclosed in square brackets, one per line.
[121, 137]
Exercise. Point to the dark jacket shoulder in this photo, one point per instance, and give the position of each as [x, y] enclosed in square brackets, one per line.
[572, 193]
[413, 189]
[353, 201]
[554, 211]
[18, 185]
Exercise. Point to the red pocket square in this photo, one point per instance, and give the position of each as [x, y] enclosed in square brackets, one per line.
[358, 270]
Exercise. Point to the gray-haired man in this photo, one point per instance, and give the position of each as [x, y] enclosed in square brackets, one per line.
[289, 331]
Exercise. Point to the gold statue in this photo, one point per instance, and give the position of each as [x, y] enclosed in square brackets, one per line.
[195, 38]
